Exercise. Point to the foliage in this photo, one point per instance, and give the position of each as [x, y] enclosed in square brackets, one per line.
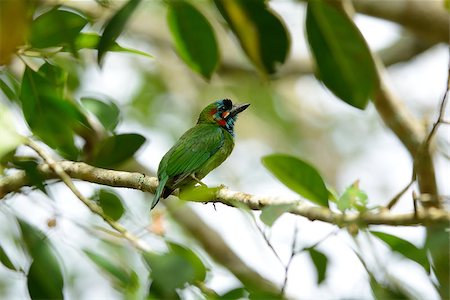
[43, 63]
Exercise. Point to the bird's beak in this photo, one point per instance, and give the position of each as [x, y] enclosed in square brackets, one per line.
[238, 108]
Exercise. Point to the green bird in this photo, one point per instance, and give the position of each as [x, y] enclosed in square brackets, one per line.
[200, 149]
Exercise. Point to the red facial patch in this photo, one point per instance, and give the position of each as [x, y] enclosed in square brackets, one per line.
[222, 123]
[225, 114]
[213, 111]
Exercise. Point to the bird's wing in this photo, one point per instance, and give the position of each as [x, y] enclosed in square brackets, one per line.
[193, 149]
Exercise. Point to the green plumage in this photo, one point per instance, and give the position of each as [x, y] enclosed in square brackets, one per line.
[199, 150]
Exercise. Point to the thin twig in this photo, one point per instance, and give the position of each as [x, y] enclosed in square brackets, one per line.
[403, 191]
[442, 105]
[136, 242]
[291, 258]
[266, 239]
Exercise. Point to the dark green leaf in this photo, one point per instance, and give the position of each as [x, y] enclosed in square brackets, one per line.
[45, 265]
[29, 165]
[383, 291]
[353, 197]
[271, 213]
[173, 270]
[34, 240]
[343, 59]
[386, 291]
[320, 262]
[9, 85]
[299, 176]
[114, 28]
[235, 294]
[121, 276]
[404, 247]
[117, 148]
[56, 28]
[4, 259]
[194, 37]
[45, 278]
[106, 111]
[110, 203]
[261, 33]
[259, 295]
[437, 239]
[91, 40]
[50, 116]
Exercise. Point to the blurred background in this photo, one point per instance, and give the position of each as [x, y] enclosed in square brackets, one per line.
[292, 113]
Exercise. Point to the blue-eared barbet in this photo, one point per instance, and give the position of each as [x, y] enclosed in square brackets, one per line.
[200, 149]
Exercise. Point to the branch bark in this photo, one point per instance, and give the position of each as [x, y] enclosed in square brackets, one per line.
[427, 19]
[82, 171]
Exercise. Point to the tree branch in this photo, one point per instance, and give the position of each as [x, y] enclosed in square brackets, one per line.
[427, 19]
[60, 172]
[82, 171]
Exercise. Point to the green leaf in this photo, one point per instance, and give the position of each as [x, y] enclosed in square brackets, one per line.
[194, 37]
[91, 40]
[9, 85]
[353, 197]
[29, 165]
[271, 213]
[50, 116]
[404, 247]
[235, 294]
[10, 139]
[56, 27]
[343, 59]
[320, 262]
[110, 202]
[32, 237]
[121, 277]
[4, 259]
[114, 28]
[299, 176]
[173, 270]
[261, 33]
[45, 265]
[117, 148]
[45, 278]
[106, 111]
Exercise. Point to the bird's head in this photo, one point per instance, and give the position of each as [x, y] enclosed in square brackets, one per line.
[222, 113]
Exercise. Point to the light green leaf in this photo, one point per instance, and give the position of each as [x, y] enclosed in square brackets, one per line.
[404, 247]
[299, 176]
[56, 27]
[10, 139]
[121, 277]
[353, 197]
[110, 202]
[173, 270]
[91, 40]
[116, 149]
[271, 213]
[194, 37]
[114, 28]
[261, 33]
[343, 59]
[106, 111]
[320, 262]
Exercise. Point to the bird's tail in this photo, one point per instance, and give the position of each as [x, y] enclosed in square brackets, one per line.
[159, 191]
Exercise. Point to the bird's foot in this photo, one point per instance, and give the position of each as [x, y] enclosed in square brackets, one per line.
[198, 180]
